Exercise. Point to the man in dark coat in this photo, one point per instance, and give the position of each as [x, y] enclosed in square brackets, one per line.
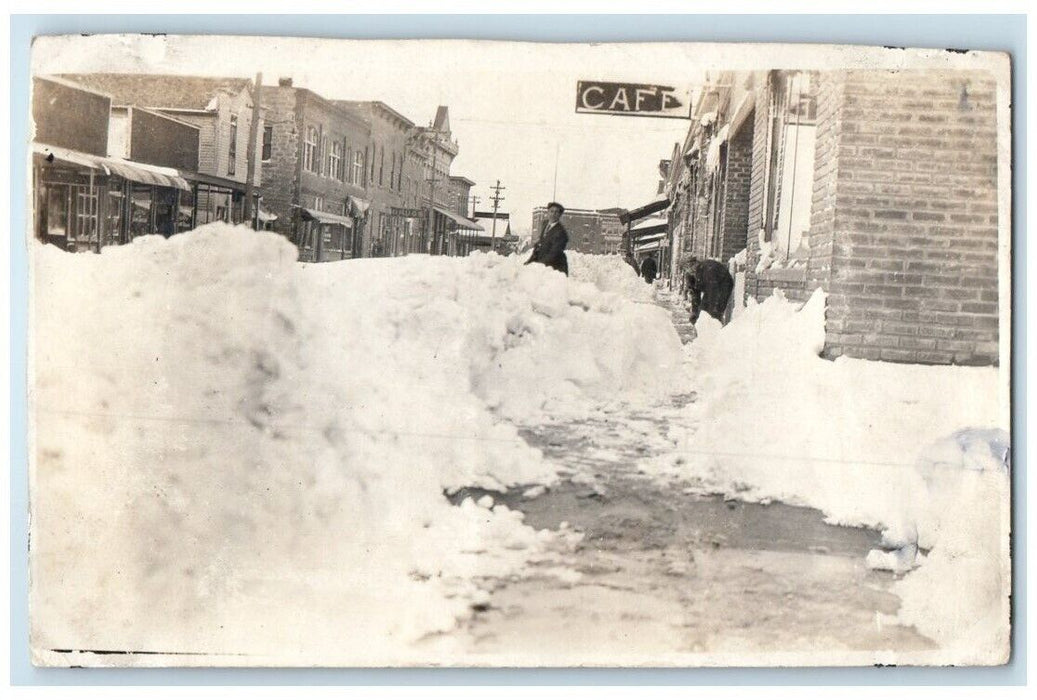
[710, 285]
[649, 269]
[550, 246]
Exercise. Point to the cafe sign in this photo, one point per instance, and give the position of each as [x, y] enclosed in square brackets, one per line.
[406, 213]
[633, 99]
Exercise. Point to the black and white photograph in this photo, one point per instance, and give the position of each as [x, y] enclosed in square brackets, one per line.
[414, 353]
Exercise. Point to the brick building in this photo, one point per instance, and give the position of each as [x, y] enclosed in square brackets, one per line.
[220, 108]
[314, 155]
[879, 187]
[391, 231]
[596, 231]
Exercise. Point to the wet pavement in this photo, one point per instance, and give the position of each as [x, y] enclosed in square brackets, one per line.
[669, 575]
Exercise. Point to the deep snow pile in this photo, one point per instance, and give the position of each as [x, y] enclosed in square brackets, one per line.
[917, 451]
[610, 273]
[235, 452]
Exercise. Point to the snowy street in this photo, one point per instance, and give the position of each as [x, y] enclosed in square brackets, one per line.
[484, 462]
[677, 571]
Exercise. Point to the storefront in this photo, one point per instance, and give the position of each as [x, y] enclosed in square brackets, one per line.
[455, 234]
[324, 236]
[85, 202]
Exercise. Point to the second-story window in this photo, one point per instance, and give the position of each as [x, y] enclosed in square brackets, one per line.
[309, 153]
[335, 161]
[268, 142]
[358, 168]
[232, 150]
[323, 163]
[392, 172]
[381, 164]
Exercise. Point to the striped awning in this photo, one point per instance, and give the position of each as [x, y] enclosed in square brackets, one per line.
[323, 217]
[128, 169]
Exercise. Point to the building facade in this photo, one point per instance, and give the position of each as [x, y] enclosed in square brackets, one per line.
[314, 154]
[220, 108]
[92, 184]
[879, 187]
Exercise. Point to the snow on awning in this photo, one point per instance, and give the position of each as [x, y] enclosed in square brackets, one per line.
[654, 245]
[708, 118]
[265, 216]
[651, 222]
[69, 156]
[651, 237]
[713, 155]
[742, 111]
[323, 217]
[459, 220]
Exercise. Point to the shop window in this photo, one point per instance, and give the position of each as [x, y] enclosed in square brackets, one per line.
[790, 166]
[185, 212]
[140, 211]
[56, 222]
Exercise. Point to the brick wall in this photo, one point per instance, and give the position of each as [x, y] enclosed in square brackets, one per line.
[914, 261]
[736, 191]
[757, 198]
[280, 189]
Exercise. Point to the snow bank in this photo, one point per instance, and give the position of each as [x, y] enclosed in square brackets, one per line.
[233, 451]
[609, 273]
[775, 421]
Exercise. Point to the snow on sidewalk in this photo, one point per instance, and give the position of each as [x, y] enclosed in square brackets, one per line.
[236, 452]
[920, 452]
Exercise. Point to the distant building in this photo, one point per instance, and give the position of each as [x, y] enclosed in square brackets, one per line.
[392, 226]
[315, 154]
[596, 231]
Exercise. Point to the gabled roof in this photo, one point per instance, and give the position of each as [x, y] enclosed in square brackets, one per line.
[159, 91]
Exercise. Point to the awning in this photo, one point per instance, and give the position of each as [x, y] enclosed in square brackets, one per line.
[653, 222]
[265, 216]
[137, 172]
[713, 154]
[66, 155]
[323, 217]
[649, 247]
[460, 220]
[742, 111]
[650, 237]
[656, 205]
[147, 174]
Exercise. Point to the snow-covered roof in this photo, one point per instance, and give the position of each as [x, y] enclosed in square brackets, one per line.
[649, 223]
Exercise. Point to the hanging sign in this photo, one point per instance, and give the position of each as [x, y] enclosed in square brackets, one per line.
[633, 99]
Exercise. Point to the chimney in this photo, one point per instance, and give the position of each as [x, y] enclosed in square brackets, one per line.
[284, 82]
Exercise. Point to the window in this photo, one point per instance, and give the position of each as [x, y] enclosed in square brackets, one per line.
[335, 161]
[358, 167]
[370, 176]
[309, 153]
[318, 203]
[392, 172]
[790, 166]
[324, 163]
[268, 142]
[381, 164]
[232, 152]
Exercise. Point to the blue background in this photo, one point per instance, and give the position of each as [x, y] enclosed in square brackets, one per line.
[979, 32]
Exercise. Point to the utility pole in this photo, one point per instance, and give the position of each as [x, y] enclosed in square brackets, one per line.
[554, 189]
[250, 151]
[497, 198]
